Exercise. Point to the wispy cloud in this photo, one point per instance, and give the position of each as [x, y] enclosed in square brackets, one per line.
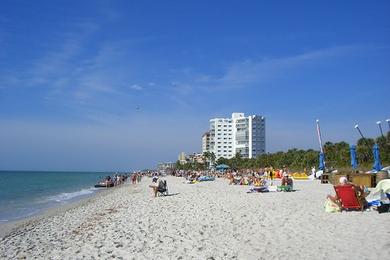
[249, 72]
[136, 87]
[257, 72]
[72, 74]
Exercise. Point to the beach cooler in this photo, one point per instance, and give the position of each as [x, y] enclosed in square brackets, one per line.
[325, 178]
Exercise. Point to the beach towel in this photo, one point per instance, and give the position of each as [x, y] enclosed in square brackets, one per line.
[380, 194]
[258, 189]
[287, 188]
[384, 208]
[331, 207]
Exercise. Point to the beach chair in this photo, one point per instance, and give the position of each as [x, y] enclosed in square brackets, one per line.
[348, 197]
[162, 189]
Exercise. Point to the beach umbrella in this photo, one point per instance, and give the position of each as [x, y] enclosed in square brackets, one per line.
[377, 162]
[322, 162]
[354, 163]
[222, 167]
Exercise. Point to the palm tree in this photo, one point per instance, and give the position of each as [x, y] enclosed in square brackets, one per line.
[207, 155]
[212, 158]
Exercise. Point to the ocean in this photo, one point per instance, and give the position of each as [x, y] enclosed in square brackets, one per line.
[26, 193]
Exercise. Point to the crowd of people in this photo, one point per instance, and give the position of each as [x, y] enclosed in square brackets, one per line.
[267, 180]
[259, 179]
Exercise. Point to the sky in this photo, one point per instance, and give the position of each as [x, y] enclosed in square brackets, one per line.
[123, 85]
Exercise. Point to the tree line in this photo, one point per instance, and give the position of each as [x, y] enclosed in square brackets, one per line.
[337, 155]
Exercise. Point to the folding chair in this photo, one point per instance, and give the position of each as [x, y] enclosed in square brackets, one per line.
[348, 197]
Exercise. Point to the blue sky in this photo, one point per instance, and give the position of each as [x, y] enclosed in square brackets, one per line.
[117, 85]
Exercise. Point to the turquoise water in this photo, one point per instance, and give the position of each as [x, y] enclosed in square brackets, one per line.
[25, 193]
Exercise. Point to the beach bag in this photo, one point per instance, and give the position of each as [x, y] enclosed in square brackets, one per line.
[331, 207]
[383, 208]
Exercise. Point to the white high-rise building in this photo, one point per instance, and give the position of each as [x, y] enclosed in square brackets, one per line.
[239, 134]
[206, 142]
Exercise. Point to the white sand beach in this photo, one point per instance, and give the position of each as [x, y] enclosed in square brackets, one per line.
[209, 220]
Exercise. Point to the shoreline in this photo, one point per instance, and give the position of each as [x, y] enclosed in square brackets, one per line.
[9, 226]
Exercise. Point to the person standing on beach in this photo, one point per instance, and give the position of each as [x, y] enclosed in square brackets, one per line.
[154, 185]
[271, 174]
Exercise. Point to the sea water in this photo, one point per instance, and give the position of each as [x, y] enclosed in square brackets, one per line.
[26, 193]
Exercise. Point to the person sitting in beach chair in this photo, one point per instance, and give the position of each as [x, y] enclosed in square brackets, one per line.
[162, 188]
[348, 195]
[154, 185]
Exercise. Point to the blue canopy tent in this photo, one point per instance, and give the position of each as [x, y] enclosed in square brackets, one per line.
[322, 162]
[377, 161]
[222, 167]
[354, 162]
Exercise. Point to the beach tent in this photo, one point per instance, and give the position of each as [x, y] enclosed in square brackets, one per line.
[377, 162]
[222, 167]
[353, 157]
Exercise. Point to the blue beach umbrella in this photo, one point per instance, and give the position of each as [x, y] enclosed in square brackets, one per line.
[377, 161]
[222, 167]
[322, 162]
[354, 163]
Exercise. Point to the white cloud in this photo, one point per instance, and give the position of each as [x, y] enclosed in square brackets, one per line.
[136, 87]
[251, 71]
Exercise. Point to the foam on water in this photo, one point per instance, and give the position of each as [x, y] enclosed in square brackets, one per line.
[65, 196]
[26, 193]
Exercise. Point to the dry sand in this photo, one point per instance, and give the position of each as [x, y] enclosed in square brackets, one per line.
[209, 220]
